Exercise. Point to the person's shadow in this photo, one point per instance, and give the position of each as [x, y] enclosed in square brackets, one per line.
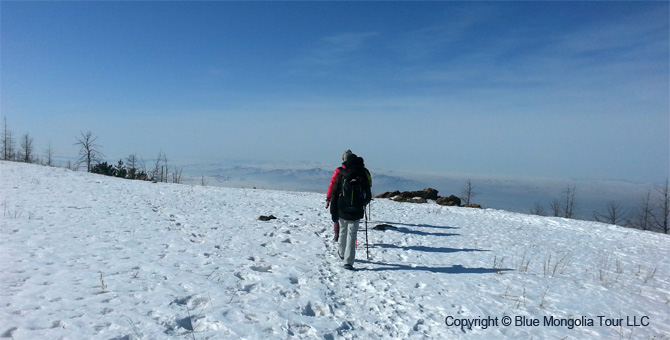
[455, 269]
[413, 230]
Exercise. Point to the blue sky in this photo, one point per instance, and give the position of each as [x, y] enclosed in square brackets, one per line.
[530, 89]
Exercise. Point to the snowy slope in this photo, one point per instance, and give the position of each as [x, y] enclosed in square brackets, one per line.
[90, 257]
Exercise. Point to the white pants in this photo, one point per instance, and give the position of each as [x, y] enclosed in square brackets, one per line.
[348, 234]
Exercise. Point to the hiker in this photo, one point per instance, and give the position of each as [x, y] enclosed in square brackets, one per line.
[333, 207]
[352, 188]
[361, 162]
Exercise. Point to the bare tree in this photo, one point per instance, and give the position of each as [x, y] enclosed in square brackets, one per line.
[662, 216]
[9, 152]
[89, 152]
[538, 209]
[27, 153]
[131, 161]
[569, 203]
[555, 208]
[7, 143]
[143, 174]
[176, 175]
[614, 214]
[643, 215]
[468, 192]
[160, 171]
[49, 153]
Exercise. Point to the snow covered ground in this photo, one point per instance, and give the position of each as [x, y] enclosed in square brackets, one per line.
[84, 256]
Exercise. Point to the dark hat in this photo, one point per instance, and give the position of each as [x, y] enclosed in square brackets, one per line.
[345, 155]
[351, 160]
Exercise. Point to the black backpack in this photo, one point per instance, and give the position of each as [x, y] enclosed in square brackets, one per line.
[353, 196]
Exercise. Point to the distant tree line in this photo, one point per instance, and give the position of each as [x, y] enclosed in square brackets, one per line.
[90, 156]
[652, 212]
[24, 152]
[134, 170]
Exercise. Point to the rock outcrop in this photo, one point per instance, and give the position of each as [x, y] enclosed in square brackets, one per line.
[421, 197]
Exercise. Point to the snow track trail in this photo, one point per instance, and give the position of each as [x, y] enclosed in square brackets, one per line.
[84, 256]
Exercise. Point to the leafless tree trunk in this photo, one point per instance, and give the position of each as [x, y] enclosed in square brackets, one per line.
[7, 143]
[176, 175]
[165, 168]
[569, 203]
[9, 153]
[27, 154]
[643, 217]
[538, 209]
[89, 151]
[555, 208]
[131, 161]
[468, 192]
[614, 214]
[143, 175]
[662, 217]
[160, 172]
[49, 155]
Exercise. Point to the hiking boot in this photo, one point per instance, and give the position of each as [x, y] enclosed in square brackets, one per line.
[348, 266]
[336, 238]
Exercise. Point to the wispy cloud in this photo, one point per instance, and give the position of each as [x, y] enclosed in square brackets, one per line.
[609, 60]
[337, 49]
[445, 37]
[636, 34]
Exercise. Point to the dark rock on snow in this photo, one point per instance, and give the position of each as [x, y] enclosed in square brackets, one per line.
[421, 197]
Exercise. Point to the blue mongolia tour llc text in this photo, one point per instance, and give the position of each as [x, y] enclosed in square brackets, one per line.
[547, 321]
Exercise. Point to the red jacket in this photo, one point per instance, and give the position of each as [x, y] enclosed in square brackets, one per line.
[332, 180]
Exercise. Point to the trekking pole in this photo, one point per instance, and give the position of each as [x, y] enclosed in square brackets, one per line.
[367, 246]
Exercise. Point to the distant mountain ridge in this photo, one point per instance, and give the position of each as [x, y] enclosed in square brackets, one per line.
[314, 179]
[512, 194]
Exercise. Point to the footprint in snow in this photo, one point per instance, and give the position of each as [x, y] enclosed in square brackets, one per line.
[262, 269]
[249, 288]
[314, 310]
